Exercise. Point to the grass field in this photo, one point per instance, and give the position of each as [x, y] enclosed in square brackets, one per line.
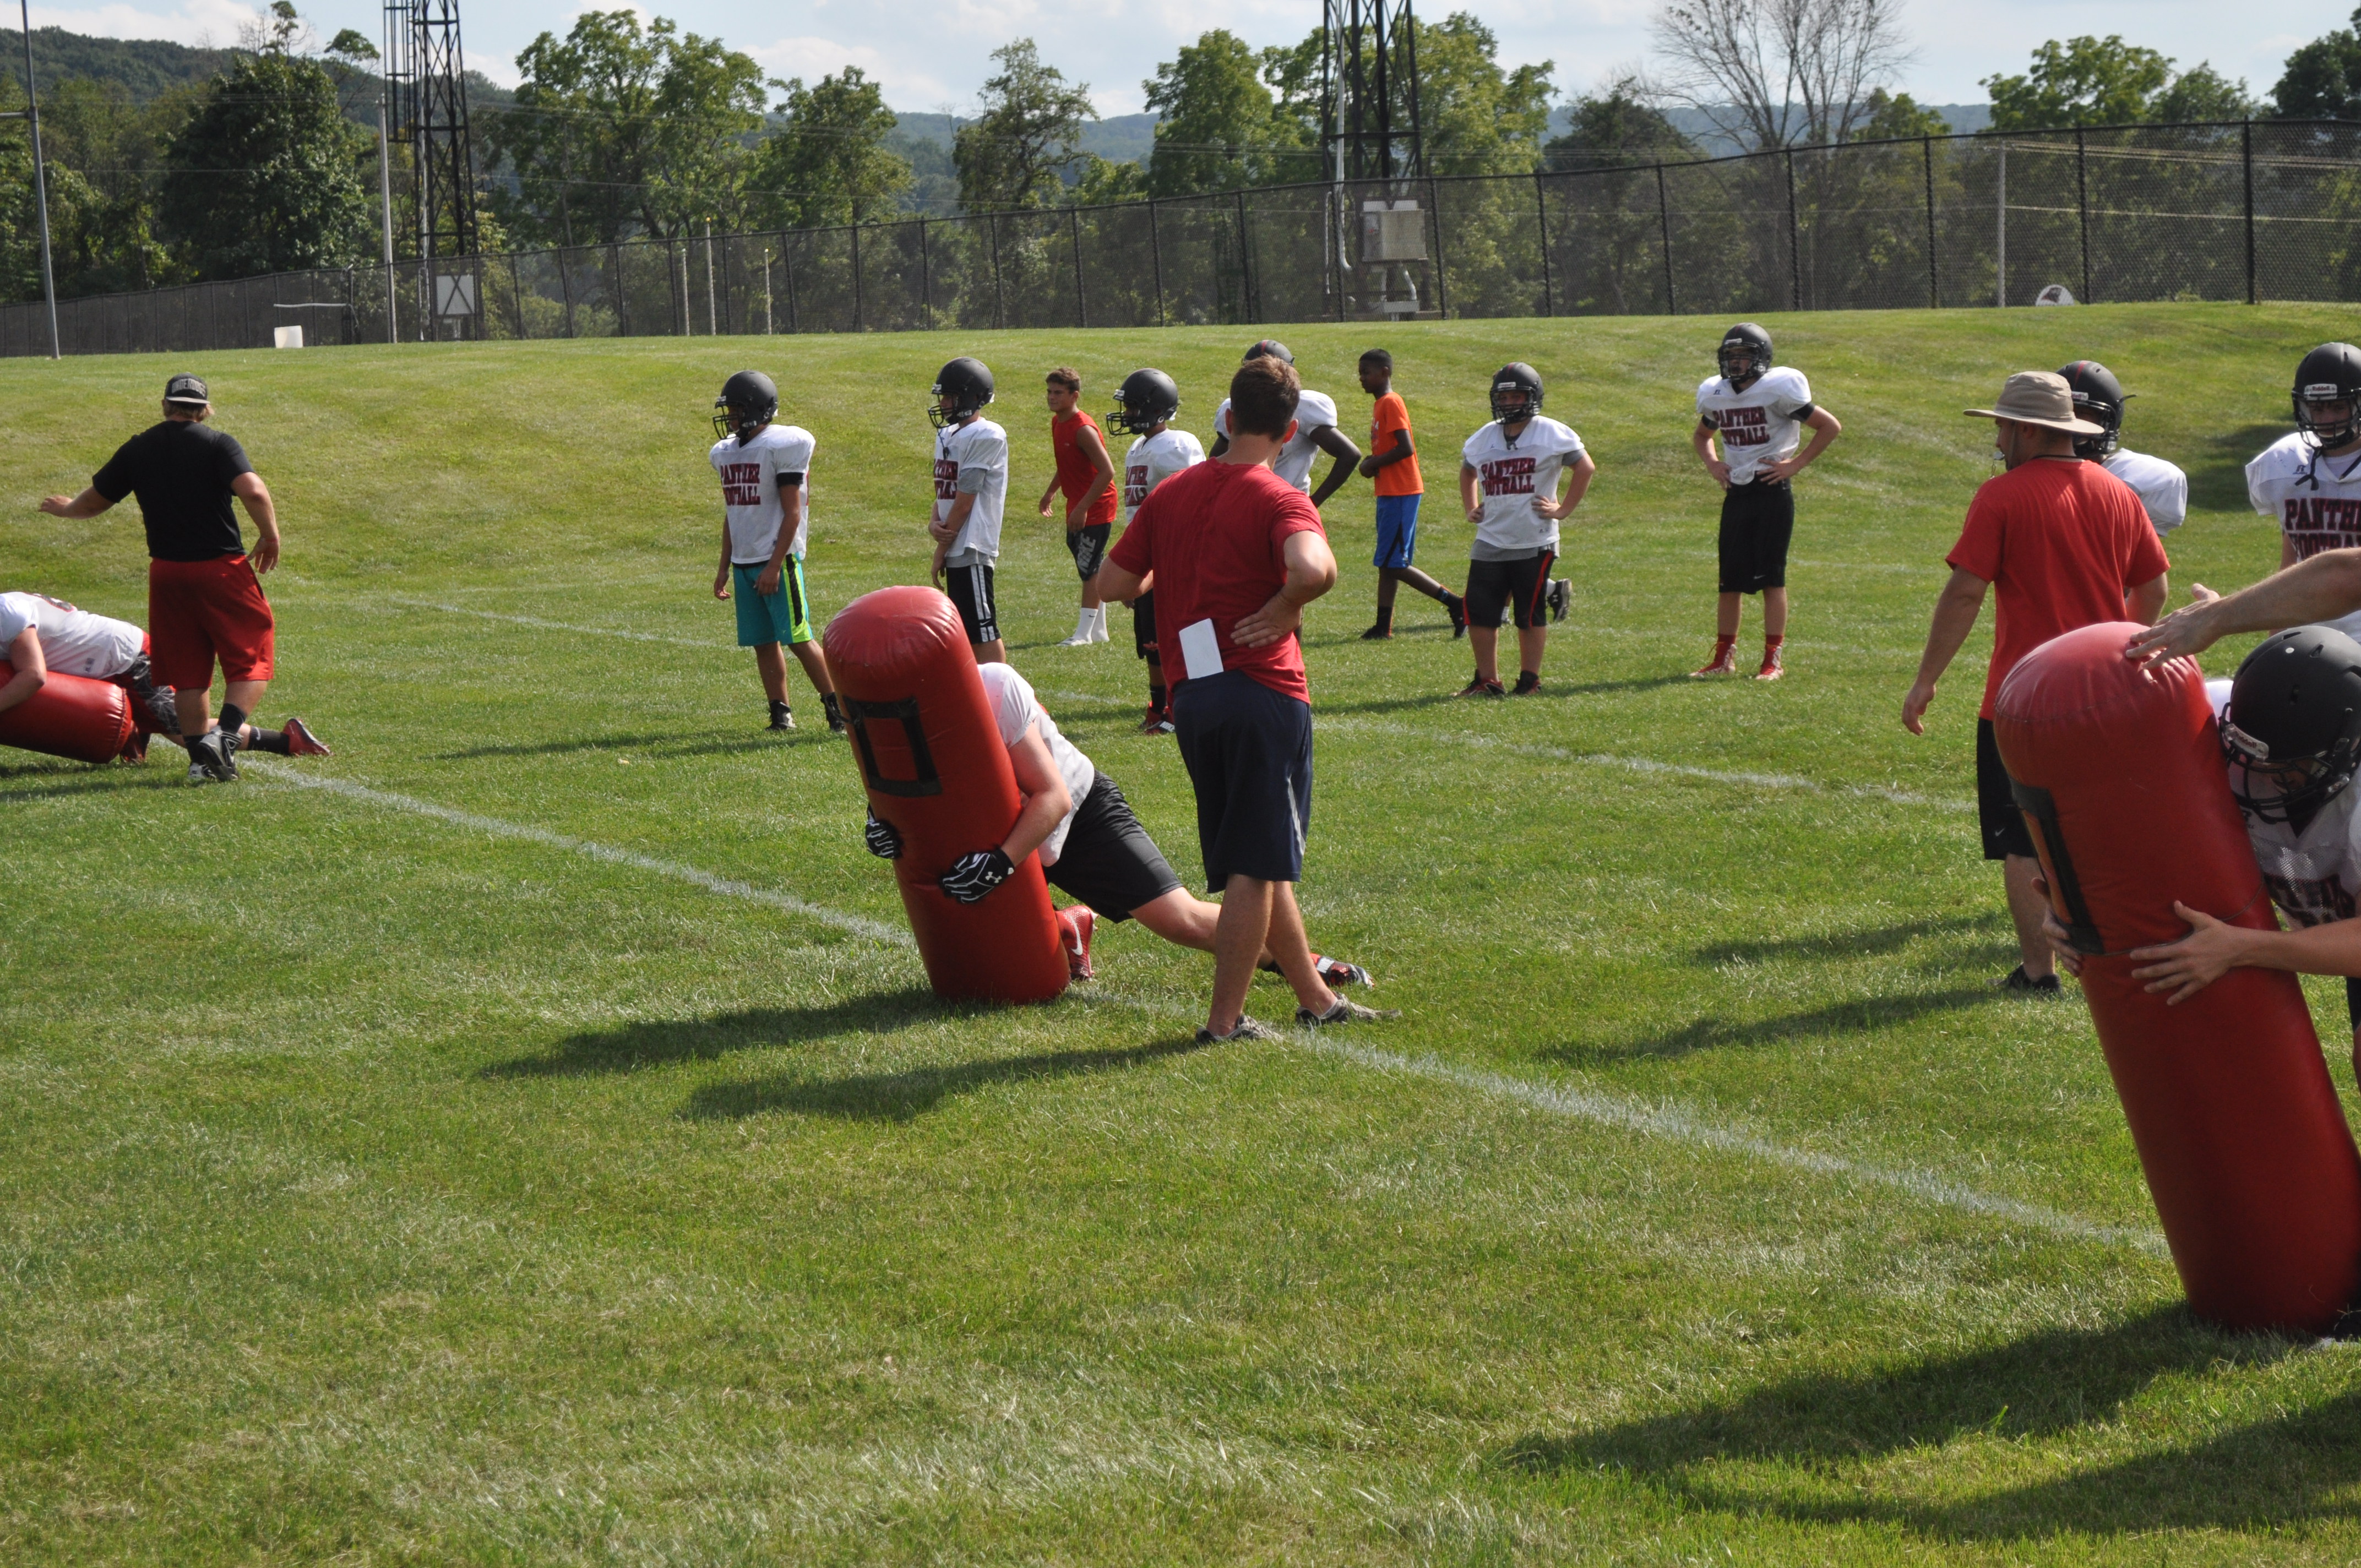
[525, 1149]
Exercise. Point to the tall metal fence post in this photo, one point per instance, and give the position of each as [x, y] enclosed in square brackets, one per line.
[1156, 259]
[1441, 261]
[2246, 161]
[1540, 211]
[1245, 272]
[1664, 225]
[516, 293]
[926, 281]
[999, 312]
[622, 294]
[1794, 242]
[787, 261]
[565, 285]
[2082, 206]
[857, 325]
[1934, 288]
[2000, 269]
[1075, 230]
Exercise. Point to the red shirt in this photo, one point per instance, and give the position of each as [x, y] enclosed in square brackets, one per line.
[1074, 471]
[2062, 541]
[1215, 536]
[1390, 415]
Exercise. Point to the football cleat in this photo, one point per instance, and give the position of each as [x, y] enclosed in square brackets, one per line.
[133, 750]
[1074, 929]
[1245, 1028]
[1078, 639]
[1527, 682]
[1377, 634]
[782, 717]
[301, 742]
[1772, 669]
[1332, 971]
[1724, 661]
[1456, 609]
[1479, 686]
[218, 754]
[1561, 598]
[836, 724]
[1345, 1012]
[198, 775]
[2017, 979]
[1158, 723]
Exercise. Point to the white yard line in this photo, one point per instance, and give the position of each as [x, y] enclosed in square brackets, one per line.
[1666, 1121]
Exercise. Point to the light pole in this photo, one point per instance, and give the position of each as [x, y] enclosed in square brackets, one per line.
[41, 175]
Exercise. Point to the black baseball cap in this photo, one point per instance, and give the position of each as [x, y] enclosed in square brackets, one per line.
[187, 388]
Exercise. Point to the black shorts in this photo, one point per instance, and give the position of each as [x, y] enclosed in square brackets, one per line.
[971, 589]
[1757, 521]
[1143, 624]
[1109, 862]
[1088, 547]
[2006, 833]
[1248, 751]
[1517, 587]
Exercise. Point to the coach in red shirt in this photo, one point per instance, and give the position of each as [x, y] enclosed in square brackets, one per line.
[2067, 544]
[1238, 552]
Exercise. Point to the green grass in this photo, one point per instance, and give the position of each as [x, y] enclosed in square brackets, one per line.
[380, 1187]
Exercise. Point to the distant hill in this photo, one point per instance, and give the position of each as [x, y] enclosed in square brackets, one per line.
[146, 68]
[1125, 138]
[1697, 126]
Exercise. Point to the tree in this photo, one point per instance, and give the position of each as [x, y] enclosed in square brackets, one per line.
[830, 163]
[1895, 116]
[2322, 79]
[2107, 81]
[1218, 126]
[1615, 127]
[1780, 72]
[618, 129]
[265, 177]
[1030, 130]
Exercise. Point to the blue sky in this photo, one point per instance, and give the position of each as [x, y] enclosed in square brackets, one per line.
[933, 55]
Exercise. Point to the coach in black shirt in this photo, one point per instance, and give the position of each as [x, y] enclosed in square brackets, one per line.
[205, 597]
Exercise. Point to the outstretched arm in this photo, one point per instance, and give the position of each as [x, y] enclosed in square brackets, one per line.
[2213, 948]
[2323, 588]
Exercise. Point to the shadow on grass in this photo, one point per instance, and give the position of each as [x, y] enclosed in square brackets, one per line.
[2049, 1385]
[83, 778]
[658, 1041]
[643, 745]
[900, 1096]
[1841, 1018]
[2217, 479]
[1847, 944]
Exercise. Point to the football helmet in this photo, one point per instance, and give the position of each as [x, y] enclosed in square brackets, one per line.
[748, 400]
[1269, 348]
[2099, 397]
[968, 383]
[2294, 724]
[1146, 400]
[1744, 354]
[1516, 393]
[2330, 374]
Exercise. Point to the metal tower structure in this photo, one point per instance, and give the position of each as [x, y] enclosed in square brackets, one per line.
[1369, 91]
[427, 113]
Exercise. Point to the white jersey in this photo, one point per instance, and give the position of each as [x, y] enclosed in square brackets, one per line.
[2316, 499]
[73, 642]
[1314, 412]
[750, 473]
[1152, 460]
[972, 459]
[2161, 486]
[1759, 425]
[1514, 475]
[2313, 876]
[1016, 709]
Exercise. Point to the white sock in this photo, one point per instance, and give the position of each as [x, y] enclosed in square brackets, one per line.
[1084, 621]
[1098, 625]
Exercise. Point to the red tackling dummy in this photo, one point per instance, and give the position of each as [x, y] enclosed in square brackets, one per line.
[2120, 775]
[939, 775]
[73, 717]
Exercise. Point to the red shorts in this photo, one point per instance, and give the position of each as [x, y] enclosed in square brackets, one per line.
[201, 610]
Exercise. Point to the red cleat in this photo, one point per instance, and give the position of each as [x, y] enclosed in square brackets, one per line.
[1074, 927]
[1772, 669]
[1724, 661]
[301, 742]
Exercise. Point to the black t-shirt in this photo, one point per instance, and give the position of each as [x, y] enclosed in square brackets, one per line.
[182, 471]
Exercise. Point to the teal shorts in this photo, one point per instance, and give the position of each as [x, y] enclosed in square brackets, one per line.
[782, 617]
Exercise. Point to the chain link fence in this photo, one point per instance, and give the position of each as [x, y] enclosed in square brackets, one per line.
[2236, 210]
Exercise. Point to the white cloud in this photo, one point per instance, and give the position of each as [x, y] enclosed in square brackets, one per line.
[216, 23]
[811, 58]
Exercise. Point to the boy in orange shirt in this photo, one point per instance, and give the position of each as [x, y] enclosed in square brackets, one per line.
[1392, 462]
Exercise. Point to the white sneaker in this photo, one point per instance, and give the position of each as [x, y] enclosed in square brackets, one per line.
[1084, 622]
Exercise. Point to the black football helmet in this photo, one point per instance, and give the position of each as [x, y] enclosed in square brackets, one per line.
[1744, 354]
[1516, 392]
[2099, 397]
[2294, 724]
[1146, 400]
[748, 400]
[1269, 348]
[2330, 374]
[968, 383]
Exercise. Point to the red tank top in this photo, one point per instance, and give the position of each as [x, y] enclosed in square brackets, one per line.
[1074, 471]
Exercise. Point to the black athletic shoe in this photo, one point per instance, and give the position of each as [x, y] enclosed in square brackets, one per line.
[1456, 609]
[229, 745]
[1561, 598]
[2019, 980]
[210, 756]
[836, 724]
[1479, 686]
[1377, 634]
[1527, 682]
[782, 717]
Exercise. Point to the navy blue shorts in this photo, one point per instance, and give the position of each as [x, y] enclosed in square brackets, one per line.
[1248, 751]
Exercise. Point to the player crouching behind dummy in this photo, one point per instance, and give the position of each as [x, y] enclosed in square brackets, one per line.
[39, 635]
[1091, 846]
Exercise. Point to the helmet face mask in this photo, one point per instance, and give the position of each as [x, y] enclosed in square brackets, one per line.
[2291, 738]
[1744, 355]
[1146, 399]
[748, 400]
[2099, 397]
[1516, 393]
[2327, 395]
[966, 384]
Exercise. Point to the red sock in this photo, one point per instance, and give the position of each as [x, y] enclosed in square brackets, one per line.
[1770, 644]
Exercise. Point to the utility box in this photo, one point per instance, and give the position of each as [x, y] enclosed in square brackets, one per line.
[287, 337]
[1392, 233]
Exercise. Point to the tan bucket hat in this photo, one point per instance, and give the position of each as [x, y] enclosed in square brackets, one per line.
[2042, 397]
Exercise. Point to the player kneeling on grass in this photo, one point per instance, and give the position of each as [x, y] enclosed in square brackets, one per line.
[766, 468]
[2291, 739]
[1755, 411]
[39, 635]
[1091, 845]
[1516, 462]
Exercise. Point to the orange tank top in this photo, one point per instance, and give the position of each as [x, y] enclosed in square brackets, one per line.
[1074, 471]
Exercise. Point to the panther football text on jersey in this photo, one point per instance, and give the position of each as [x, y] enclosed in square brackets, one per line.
[1513, 477]
[750, 473]
[1759, 425]
[2317, 500]
[1314, 411]
[1152, 460]
[2161, 486]
[73, 642]
[2313, 876]
[972, 459]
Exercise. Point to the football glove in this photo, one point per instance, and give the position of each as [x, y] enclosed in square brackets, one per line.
[972, 876]
[883, 841]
